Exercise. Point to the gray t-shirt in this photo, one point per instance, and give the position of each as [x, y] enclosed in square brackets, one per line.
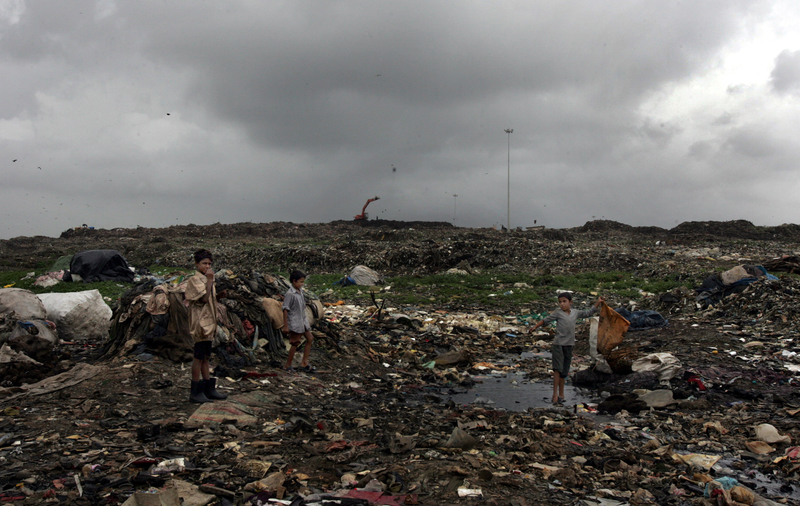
[295, 304]
[565, 324]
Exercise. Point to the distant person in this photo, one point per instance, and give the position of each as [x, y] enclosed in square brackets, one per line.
[565, 318]
[295, 323]
[202, 298]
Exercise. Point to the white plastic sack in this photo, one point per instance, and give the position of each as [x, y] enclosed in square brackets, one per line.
[733, 275]
[666, 365]
[769, 434]
[24, 303]
[595, 358]
[594, 324]
[78, 315]
[658, 398]
[365, 276]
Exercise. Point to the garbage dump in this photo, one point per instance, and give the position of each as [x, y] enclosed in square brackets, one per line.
[152, 319]
[706, 414]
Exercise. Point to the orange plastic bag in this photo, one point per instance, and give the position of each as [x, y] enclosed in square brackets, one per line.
[611, 330]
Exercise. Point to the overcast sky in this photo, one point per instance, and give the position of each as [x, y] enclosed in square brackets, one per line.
[156, 113]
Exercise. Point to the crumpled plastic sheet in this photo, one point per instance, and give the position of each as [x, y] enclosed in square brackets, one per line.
[666, 365]
[611, 330]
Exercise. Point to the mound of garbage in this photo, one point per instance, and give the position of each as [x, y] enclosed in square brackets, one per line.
[151, 319]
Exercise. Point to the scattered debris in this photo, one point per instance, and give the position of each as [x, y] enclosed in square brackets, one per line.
[706, 411]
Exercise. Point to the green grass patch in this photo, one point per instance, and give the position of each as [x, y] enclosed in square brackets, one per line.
[494, 289]
[320, 283]
[485, 290]
[614, 282]
[20, 279]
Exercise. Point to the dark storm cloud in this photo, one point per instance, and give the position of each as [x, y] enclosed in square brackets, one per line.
[257, 106]
[72, 31]
[318, 76]
[724, 119]
[701, 150]
[752, 143]
[786, 74]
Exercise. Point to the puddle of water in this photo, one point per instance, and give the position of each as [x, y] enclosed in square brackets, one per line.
[528, 355]
[768, 486]
[514, 393]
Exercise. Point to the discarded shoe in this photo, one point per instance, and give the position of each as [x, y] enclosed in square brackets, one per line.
[197, 394]
[210, 389]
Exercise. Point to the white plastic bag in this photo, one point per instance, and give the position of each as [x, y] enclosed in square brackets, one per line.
[666, 365]
[25, 304]
[78, 315]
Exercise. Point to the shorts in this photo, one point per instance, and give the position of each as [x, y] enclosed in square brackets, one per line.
[295, 338]
[562, 359]
[202, 350]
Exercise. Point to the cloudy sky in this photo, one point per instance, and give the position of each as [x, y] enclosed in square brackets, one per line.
[155, 113]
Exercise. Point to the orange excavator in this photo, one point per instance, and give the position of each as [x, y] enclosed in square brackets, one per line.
[363, 215]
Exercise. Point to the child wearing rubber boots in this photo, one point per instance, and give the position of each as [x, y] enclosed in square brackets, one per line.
[565, 318]
[202, 298]
[295, 323]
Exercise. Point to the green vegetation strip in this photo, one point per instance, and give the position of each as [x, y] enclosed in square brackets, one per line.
[495, 289]
[489, 290]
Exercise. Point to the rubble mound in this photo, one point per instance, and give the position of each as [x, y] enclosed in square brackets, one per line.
[396, 224]
[614, 226]
[396, 246]
[739, 229]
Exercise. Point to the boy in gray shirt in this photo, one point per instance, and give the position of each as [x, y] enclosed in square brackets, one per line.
[295, 323]
[565, 318]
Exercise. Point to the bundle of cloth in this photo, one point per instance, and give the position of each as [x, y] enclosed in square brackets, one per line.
[719, 285]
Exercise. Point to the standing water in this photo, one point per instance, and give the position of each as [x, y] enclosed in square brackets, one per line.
[515, 393]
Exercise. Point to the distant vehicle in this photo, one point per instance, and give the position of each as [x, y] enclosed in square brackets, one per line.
[363, 215]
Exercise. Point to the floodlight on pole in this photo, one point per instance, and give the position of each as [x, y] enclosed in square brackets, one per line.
[509, 131]
[455, 201]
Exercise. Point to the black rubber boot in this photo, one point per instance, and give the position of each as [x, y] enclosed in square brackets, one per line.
[210, 389]
[197, 394]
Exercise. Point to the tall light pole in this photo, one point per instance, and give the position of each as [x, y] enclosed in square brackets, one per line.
[455, 201]
[509, 131]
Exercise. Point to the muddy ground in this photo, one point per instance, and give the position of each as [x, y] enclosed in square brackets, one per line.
[376, 422]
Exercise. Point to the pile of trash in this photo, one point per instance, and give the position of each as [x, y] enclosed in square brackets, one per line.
[27, 338]
[719, 285]
[33, 330]
[151, 319]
